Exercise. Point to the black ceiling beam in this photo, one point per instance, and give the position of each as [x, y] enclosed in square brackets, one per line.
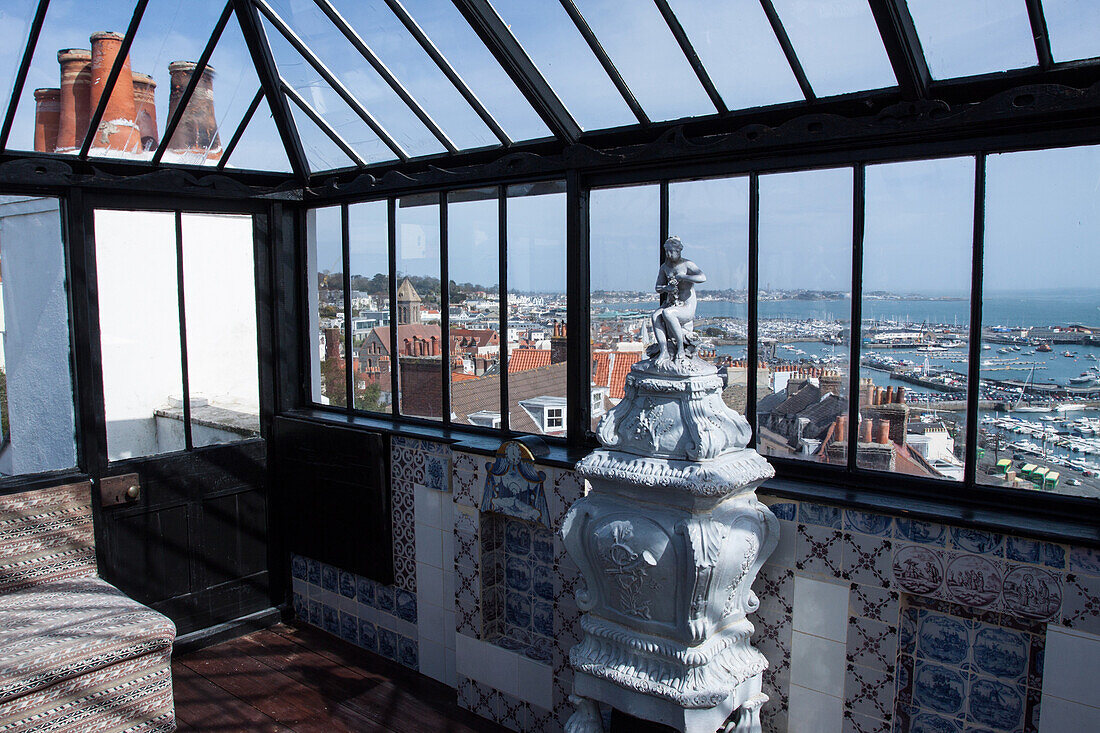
[260, 50]
[112, 78]
[788, 49]
[333, 81]
[1039, 33]
[605, 61]
[241, 126]
[518, 65]
[193, 83]
[24, 67]
[322, 123]
[445, 66]
[899, 37]
[379, 66]
[681, 37]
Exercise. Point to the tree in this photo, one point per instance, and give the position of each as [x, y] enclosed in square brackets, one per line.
[332, 381]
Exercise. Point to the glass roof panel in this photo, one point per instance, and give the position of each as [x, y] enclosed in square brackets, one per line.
[233, 83]
[454, 38]
[565, 60]
[645, 52]
[15, 19]
[349, 66]
[260, 147]
[322, 153]
[1074, 28]
[967, 37]
[411, 65]
[297, 72]
[736, 44]
[837, 43]
[170, 30]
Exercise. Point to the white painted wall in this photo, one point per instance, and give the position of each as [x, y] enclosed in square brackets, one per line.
[35, 338]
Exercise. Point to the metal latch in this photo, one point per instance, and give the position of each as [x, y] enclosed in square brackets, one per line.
[115, 490]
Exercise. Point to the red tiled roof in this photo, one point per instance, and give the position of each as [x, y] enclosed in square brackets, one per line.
[522, 360]
[609, 369]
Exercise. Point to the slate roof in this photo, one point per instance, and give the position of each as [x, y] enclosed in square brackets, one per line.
[473, 395]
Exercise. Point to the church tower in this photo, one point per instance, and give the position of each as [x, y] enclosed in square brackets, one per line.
[408, 304]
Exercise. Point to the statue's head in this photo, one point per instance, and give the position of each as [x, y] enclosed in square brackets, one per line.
[673, 248]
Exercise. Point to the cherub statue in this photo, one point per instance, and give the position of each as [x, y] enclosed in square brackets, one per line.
[674, 320]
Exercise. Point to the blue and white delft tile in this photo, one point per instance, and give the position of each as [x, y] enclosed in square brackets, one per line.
[364, 591]
[299, 567]
[315, 614]
[542, 618]
[939, 688]
[542, 545]
[820, 550]
[874, 602]
[368, 635]
[925, 722]
[914, 530]
[1036, 656]
[517, 538]
[872, 644]
[349, 627]
[1081, 607]
[385, 598]
[907, 630]
[300, 605]
[868, 559]
[1031, 593]
[903, 682]
[971, 580]
[347, 584]
[977, 541]
[387, 643]
[867, 522]
[942, 638]
[515, 486]
[330, 620]
[517, 610]
[543, 582]
[1054, 556]
[869, 691]
[407, 652]
[517, 574]
[1084, 560]
[995, 704]
[405, 605]
[819, 514]
[436, 473]
[918, 569]
[784, 510]
[313, 571]
[329, 578]
[1000, 652]
[1021, 549]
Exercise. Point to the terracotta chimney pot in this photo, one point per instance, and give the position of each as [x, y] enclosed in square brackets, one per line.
[865, 430]
[145, 109]
[47, 115]
[118, 129]
[889, 396]
[76, 77]
[899, 396]
[882, 432]
[197, 132]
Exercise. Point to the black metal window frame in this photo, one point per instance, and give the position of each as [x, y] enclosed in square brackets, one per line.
[348, 409]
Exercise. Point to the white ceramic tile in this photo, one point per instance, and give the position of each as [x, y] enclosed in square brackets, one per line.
[326, 597]
[449, 629]
[448, 541]
[429, 621]
[817, 663]
[448, 590]
[535, 683]
[468, 662]
[399, 626]
[820, 608]
[487, 664]
[450, 675]
[447, 511]
[1062, 716]
[429, 584]
[810, 711]
[429, 545]
[346, 604]
[1071, 666]
[783, 554]
[300, 586]
[432, 662]
[427, 507]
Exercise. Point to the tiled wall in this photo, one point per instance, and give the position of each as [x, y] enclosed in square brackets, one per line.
[871, 623]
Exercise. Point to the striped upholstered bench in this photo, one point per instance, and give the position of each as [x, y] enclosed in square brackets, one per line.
[76, 654]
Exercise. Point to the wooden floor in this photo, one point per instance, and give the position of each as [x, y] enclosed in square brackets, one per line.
[291, 678]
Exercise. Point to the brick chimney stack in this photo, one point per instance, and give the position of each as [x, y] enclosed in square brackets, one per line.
[198, 128]
[76, 77]
[117, 130]
[145, 108]
[47, 114]
[559, 349]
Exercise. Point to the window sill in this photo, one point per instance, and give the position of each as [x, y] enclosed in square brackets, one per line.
[1080, 527]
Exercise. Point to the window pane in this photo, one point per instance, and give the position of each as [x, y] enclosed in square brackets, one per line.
[805, 271]
[1072, 26]
[965, 37]
[624, 252]
[15, 18]
[711, 217]
[1040, 355]
[219, 283]
[916, 313]
[838, 44]
[739, 50]
[326, 305]
[37, 430]
[473, 266]
[368, 244]
[645, 52]
[419, 349]
[139, 331]
[536, 308]
[565, 60]
[260, 147]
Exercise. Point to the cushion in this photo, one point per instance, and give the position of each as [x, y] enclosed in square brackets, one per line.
[45, 535]
[62, 629]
